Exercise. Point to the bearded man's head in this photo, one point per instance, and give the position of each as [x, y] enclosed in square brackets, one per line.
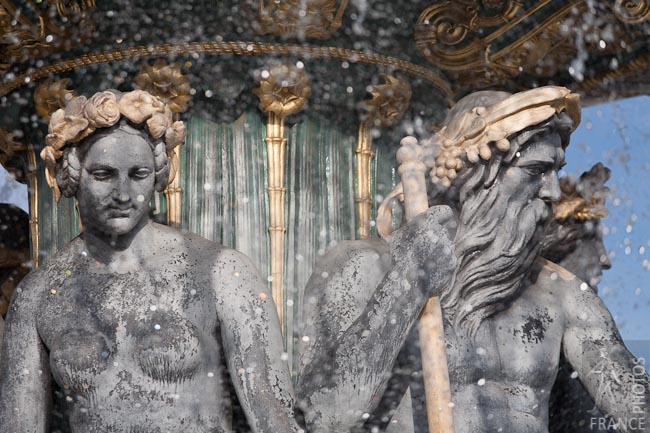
[502, 216]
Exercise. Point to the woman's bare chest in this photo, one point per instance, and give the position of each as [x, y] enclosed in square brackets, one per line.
[96, 326]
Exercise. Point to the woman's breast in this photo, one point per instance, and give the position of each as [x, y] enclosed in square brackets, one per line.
[167, 347]
[162, 345]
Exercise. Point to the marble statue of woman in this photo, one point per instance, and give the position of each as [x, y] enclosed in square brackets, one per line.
[141, 327]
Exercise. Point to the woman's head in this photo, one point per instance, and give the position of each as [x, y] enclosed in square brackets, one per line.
[114, 176]
[85, 122]
[69, 166]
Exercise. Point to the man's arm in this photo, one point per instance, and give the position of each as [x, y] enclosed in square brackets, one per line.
[616, 380]
[25, 394]
[253, 346]
[346, 370]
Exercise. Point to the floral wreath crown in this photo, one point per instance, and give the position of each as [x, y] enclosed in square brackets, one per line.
[81, 117]
[468, 136]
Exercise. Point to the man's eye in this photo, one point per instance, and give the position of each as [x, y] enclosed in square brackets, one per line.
[535, 170]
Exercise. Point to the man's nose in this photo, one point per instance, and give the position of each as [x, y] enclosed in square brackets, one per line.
[550, 189]
[605, 263]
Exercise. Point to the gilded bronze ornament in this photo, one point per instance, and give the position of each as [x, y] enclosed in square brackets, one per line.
[583, 200]
[32, 167]
[167, 82]
[9, 149]
[632, 11]
[387, 104]
[24, 38]
[283, 91]
[317, 19]
[470, 40]
[237, 48]
[50, 95]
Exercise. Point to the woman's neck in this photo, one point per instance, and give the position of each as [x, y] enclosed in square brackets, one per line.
[119, 251]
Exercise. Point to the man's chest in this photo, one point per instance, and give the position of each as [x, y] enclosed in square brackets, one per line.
[520, 345]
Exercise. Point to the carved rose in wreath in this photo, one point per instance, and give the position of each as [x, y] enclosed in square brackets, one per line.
[102, 110]
[139, 106]
[157, 125]
[69, 125]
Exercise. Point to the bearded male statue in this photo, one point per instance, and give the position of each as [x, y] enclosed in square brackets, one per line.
[507, 313]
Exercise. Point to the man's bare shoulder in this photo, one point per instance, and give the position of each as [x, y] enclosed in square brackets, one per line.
[356, 262]
[572, 293]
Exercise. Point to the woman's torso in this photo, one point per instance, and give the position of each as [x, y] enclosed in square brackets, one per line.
[137, 351]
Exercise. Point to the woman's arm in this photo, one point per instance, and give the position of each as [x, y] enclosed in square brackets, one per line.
[253, 346]
[25, 396]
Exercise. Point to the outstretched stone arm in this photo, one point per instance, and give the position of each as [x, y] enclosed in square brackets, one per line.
[346, 370]
[25, 395]
[616, 380]
[253, 347]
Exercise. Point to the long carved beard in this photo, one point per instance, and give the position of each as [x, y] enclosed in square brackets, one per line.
[496, 243]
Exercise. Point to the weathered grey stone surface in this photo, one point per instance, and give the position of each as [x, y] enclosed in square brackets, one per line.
[360, 304]
[139, 326]
[577, 246]
[507, 315]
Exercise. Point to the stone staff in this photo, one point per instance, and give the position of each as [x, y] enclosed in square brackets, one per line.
[431, 333]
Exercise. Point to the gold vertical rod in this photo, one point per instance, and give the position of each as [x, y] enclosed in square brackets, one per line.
[174, 192]
[364, 156]
[276, 147]
[33, 202]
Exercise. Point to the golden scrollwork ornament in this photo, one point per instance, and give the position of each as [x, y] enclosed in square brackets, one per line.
[632, 11]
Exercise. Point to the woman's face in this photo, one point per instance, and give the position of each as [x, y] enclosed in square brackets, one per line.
[116, 183]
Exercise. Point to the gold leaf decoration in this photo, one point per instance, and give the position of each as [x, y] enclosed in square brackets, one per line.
[284, 89]
[50, 95]
[389, 101]
[584, 200]
[167, 82]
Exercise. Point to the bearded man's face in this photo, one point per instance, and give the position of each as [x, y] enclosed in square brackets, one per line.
[501, 229]
[533, 173]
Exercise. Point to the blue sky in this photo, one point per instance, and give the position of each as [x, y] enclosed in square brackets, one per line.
[617, 134]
